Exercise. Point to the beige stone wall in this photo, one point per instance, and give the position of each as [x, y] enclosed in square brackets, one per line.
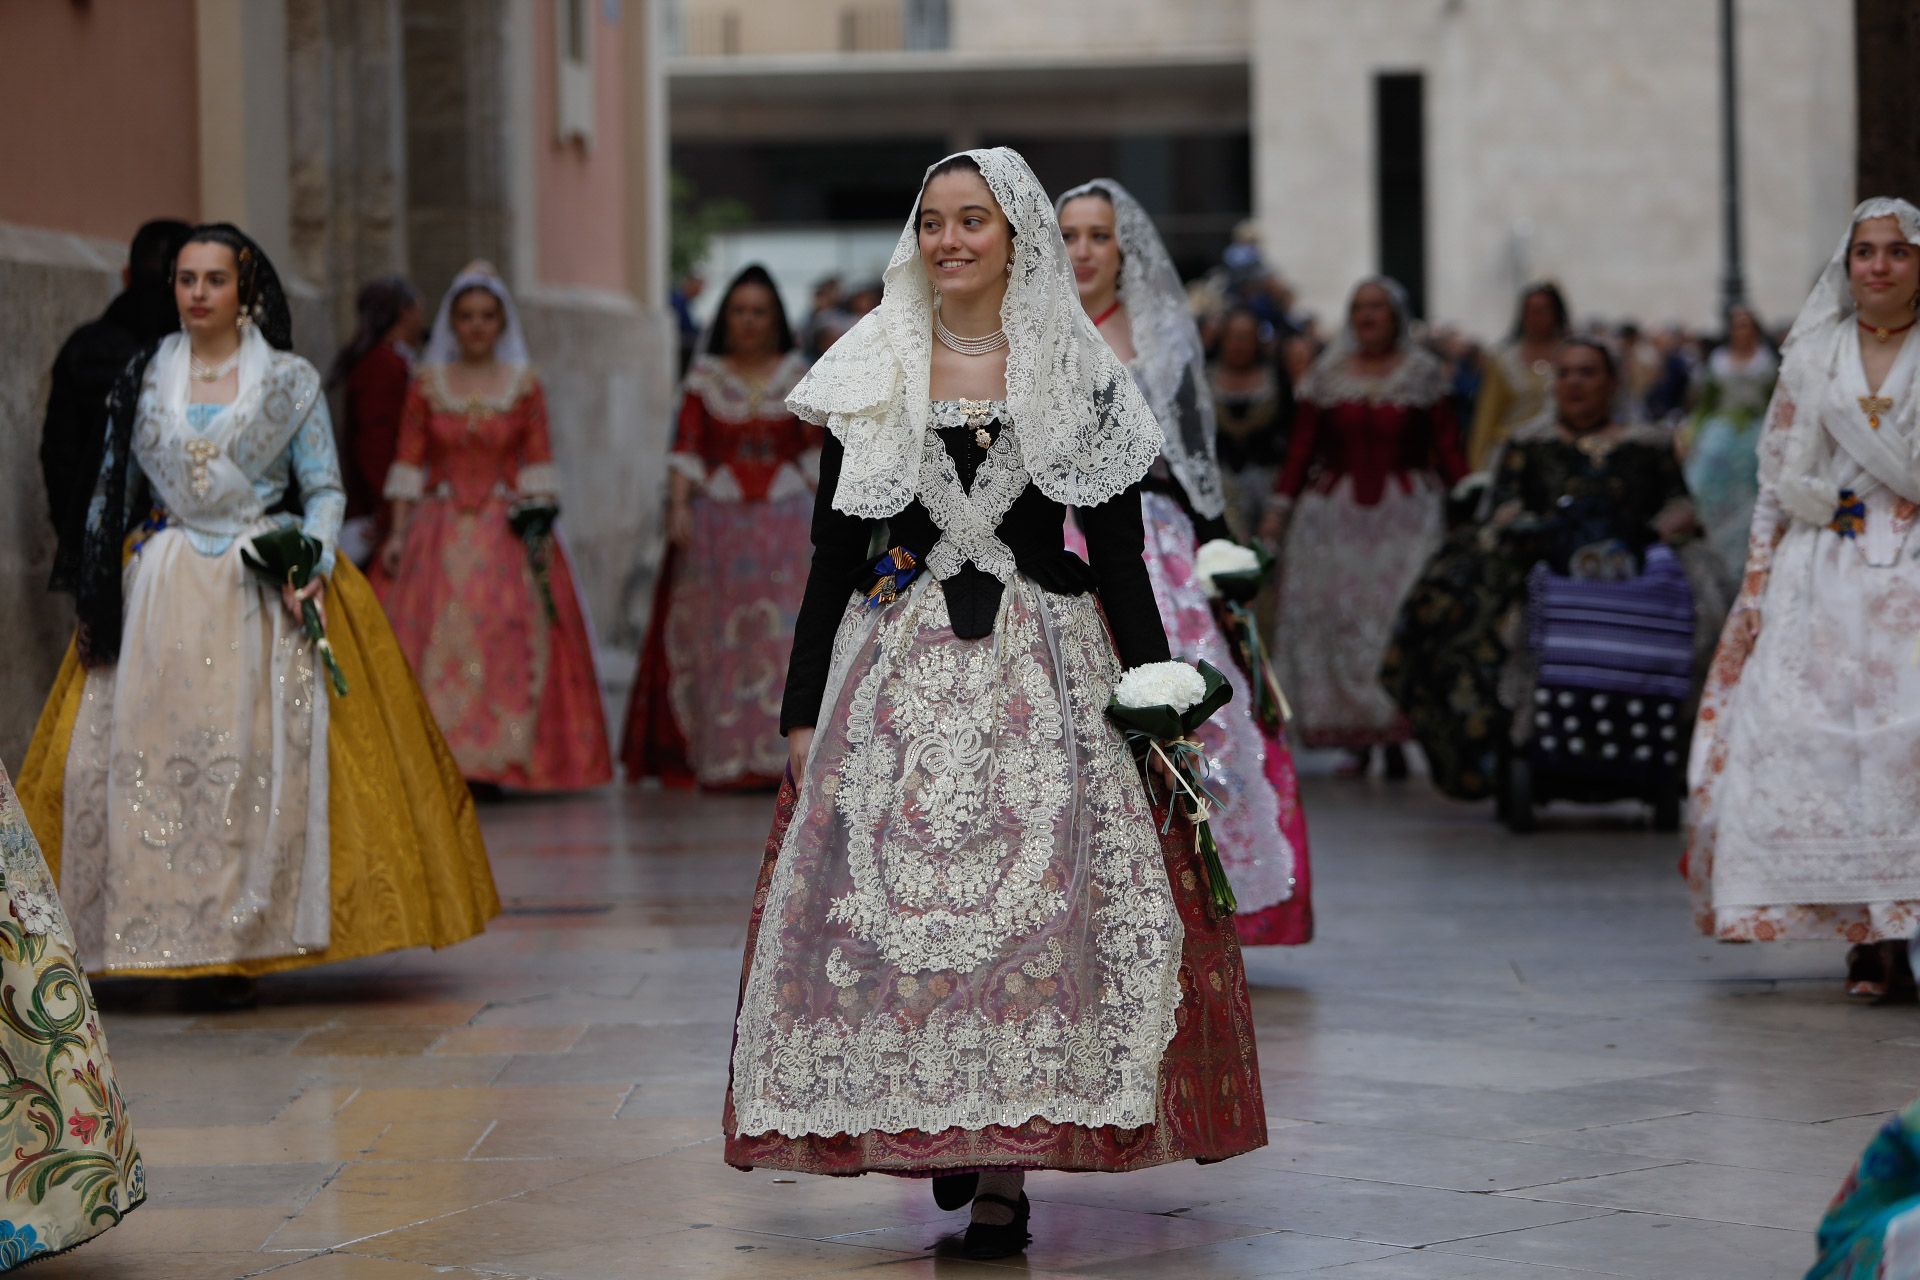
[1099, 26]
[1579, 142]
[1067, 28]
[51, 284]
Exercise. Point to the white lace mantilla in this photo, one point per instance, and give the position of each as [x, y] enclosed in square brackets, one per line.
[1419, 380]
[1169, 361]
[983, 932]
[1085, 430]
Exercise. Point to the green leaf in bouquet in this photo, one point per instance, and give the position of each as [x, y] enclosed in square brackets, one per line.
[286, 557]
[1219, 694]
[1241, 588]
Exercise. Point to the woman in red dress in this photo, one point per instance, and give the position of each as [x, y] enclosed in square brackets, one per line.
[373, 372]
[1356, 512]
[706, 702]
[501, 649]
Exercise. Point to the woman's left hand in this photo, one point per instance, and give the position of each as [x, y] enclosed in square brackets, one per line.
[313, 591]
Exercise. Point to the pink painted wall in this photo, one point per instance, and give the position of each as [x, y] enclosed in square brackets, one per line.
[582, 192]
[102, 109]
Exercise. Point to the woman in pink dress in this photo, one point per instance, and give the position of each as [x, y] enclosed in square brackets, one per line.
[706, 702]
[490, 621]
[1130, 289]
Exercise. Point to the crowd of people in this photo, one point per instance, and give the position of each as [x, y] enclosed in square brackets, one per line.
[925, 551]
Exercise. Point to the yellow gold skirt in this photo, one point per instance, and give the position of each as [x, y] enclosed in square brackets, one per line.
[409, 868]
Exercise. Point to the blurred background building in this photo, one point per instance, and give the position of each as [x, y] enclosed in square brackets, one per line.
[1464, 145]
[1467, 146]
[353, 138]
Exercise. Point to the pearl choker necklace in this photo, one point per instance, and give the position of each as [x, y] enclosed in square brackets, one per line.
[968, 346]
[213, 372]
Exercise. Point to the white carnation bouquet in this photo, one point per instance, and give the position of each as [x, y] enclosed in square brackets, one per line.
[1158, 706]
[1232, 576]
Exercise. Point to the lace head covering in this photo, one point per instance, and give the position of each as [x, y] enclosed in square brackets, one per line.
[1169, 362]
[1810, 359]
[444, 346]
[263, 301]
[1812, 344]
[1419, 379]
[1084, 430]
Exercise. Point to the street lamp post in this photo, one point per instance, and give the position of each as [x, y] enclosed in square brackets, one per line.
[1733, 286]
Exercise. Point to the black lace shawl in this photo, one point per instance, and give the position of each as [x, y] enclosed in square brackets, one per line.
[121, 495]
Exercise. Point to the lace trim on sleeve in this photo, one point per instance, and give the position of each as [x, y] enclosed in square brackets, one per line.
[406, 482]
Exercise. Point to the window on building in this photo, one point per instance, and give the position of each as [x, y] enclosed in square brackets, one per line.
[573, 70]
[1400, 181]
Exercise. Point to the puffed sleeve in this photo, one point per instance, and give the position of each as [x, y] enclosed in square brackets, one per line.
[537, 478]
[1300, 447]
[316, 465]
[1116, 545]
[407, 477]
[1447, 458]
[839, 555]
[688, 457]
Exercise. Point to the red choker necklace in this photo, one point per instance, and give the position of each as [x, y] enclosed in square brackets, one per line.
[1107, 315]
[1884, 335]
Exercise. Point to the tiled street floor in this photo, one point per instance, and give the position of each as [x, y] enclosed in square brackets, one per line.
[1504, 1058]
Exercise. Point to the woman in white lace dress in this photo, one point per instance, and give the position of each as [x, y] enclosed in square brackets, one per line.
[974, 951]
[1806, 762]
[1129, 286]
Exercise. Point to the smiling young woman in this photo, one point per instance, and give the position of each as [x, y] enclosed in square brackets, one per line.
[971, 935]
[1805, 823]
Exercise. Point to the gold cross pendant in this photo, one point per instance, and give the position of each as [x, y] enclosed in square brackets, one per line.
[1873, 407]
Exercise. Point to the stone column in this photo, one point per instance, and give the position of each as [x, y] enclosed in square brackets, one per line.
[1887, 42]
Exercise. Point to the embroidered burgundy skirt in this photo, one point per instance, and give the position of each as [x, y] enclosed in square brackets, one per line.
[1210, 1101]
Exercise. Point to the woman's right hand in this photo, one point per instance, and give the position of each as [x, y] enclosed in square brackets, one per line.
[679, 524]
[390, 553]
[799, 742]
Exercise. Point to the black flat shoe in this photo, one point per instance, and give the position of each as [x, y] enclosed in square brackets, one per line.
[955, 1190]
[987, 1241]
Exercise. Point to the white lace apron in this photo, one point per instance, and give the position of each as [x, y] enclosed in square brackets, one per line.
[196, 784]
[970, 921]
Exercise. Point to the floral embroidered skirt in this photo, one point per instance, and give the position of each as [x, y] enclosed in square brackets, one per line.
[1260, 826]
[1871, 1231]
[705, 706]
[403, 864]
[1344, 570]
[74, 1170]
[514, 690]
[972, 946]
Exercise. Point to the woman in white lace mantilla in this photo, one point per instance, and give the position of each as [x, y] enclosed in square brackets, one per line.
[1129, 286]
[211, 809]
[1805, 772]
[973, 951]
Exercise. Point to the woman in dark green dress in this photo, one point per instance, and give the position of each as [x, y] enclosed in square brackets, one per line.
[1573, 486]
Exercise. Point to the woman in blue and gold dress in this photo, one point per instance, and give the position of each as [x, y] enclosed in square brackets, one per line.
[209, 807]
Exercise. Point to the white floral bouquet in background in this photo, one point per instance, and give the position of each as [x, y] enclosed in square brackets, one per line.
[1158, 705]
[1232, 576]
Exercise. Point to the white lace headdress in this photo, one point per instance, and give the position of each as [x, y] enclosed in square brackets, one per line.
[1169, 361]
[1419, 379]
[443, 347]
[1810, 359]
[1084, 430]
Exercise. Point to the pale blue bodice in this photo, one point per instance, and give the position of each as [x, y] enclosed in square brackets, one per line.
[217, 493]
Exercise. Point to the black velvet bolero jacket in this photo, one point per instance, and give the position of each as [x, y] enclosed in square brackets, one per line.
[1034, 528]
